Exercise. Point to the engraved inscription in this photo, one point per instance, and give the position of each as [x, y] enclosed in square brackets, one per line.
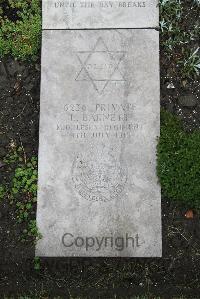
[99, 121]
[100, 14]
[99, 4]
[98, 175]
[100, 66]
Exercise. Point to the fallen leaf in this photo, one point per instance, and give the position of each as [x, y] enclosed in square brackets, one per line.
[184, 82]
[189, 214]
[17, 87]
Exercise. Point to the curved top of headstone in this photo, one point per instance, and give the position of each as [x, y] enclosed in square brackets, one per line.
[100, 14]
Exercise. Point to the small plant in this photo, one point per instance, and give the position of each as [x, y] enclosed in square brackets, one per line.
[20, 28]
[179, 162]
[177, 42]
[2, 192]
[22, 191]
[14, 156]
[24, 182]
[31, 232]
[191, 64]
[170, 15]
[37, 263]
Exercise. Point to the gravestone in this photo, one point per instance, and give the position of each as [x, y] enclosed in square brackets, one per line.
[98, 193]
[98, 14]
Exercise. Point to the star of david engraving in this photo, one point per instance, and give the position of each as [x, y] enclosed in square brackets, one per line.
[100, 66]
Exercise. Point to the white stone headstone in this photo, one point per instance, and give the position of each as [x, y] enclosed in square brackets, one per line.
[98, 14]
[98, 192]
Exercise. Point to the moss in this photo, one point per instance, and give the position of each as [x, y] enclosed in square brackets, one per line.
[179, 162]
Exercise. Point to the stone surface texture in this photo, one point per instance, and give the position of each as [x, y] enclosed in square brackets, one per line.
[99, 126]
[95, 14]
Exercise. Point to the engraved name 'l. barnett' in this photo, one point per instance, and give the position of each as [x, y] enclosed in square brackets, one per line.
[100, 66]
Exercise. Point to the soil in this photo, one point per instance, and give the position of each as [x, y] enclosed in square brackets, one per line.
[176, 273]
[10, 12]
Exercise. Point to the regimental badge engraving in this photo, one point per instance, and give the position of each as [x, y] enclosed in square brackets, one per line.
[100, 66]
[98, 176]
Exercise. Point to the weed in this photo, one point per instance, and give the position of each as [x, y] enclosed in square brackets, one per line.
[2, 192]
[24, 182]
[177, 42]
[37, 263]
[22, 191]
[14, 156]
[191, 63]
[31, 232]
